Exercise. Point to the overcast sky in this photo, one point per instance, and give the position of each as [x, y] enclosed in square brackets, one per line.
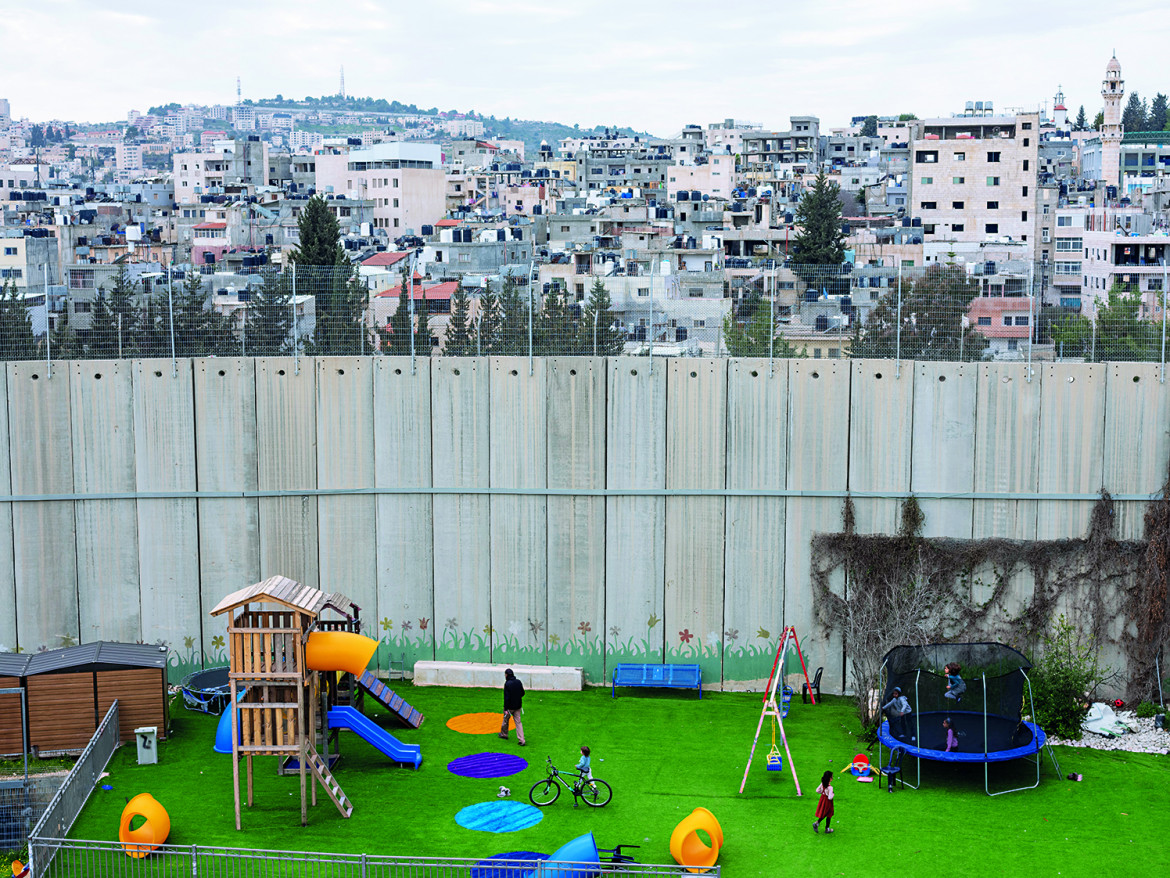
[652, 65]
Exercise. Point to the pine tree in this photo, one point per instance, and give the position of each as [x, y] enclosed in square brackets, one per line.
[933, 313]
[1099, 120]
[268, 320]
[759, 337]
[512, 336]
[1122, 334]
[114, 328]
[1157, 118]
[1133, 117]
[819, 247]
[395, 337]
[17, 341]
[1081, 122]
[487, 321]
[459, 341]
[200, 331]
[323, 270]
[557, 331]
[599, 324]
[869, 126]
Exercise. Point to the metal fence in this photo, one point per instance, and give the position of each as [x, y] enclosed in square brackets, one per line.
[995, 309]
[21, 805]
[62, 811]
[58, 858]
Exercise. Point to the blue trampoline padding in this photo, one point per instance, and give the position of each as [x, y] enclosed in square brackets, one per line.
[961, 719]
[487, 765]
[500, 816]
[517, 863]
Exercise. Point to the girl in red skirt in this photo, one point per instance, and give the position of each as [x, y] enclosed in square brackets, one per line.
[825, 804]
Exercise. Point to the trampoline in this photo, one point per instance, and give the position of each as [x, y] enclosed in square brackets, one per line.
[987, 721]
[207, 691]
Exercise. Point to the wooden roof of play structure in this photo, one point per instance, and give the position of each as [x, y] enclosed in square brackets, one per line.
[288, 593]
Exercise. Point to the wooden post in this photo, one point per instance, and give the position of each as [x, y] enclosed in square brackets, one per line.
[302, 737]
[235, 747]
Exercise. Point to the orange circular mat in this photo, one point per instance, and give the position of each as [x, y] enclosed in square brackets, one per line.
[478, 723]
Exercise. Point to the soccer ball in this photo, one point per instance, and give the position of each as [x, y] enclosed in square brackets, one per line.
[504, 793]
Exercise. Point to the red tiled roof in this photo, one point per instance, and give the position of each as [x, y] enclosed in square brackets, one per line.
[212, 226]
[435, 291]
[385, 260]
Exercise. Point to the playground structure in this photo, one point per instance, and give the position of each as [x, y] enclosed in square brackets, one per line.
[278, 645]
[686, 845]
[775, 711]
[990, 727]
[156, 826]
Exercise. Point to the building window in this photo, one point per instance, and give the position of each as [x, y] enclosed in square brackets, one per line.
[956, 205]
[1023, 216]
[984, 321]
[928, 228]
[926, 181]
[993, 156]
[1067, 268]
[1064, 220]
[928, 205]
[396, 202]
[1013, 344]
[1007, 320]
[993, 181]
[1025, 191]
[925, 157]
[395, 222]
[1025, 160]
[82, 307]
[9, 251]
[993, 205]
[960, 156]
[1027, 126]
[991, 228]
[1022, 321]
[1068, 245]
[643, 291]
[395, 182]
[958, 181]
[1154, 283]
[957, 227]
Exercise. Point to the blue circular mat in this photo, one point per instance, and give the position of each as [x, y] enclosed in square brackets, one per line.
[487, 765]
[502, 816]
[521, 862]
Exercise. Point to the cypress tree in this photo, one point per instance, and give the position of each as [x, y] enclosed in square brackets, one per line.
[17, 341]
[602, 335]
[459, 341]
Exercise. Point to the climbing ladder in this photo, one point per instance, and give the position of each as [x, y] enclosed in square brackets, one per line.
[772, 709]
[402, 711]
[325, 777]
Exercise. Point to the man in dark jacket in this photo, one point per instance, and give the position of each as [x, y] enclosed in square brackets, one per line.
[513, 706]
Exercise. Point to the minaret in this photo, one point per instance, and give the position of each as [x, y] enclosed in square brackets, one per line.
[341, 92]
[1059, 110]
[1112, 90]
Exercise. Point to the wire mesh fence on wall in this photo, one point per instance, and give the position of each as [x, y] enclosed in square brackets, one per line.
[1013, 310]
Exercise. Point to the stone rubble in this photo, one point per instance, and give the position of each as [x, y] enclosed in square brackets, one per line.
[1146, 739]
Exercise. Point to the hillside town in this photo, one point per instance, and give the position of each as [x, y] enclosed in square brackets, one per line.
[670, 246]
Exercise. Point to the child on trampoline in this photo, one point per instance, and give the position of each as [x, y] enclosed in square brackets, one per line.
[952, 738]
[955, 684]
[825, 803]
[898, 709]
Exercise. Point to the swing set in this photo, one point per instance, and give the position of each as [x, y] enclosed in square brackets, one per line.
[778, 711]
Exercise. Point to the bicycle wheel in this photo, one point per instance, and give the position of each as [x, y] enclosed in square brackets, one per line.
[596, 793]
[544, 792]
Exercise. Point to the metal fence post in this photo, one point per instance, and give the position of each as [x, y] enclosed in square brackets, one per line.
[531, 265]
[650, 328]
[410, 297]
[1031, 318]
[48, 326]
[296, 343]
[1165, 278]
[772, 324]
[171, 312]
[194, 861]
[898, 329]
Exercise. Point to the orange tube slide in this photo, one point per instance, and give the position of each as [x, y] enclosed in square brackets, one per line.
[339, 651]
[139, 842]
[688, 849]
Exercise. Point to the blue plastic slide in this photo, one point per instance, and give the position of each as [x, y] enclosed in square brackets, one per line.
[372, 733]
[223, 732]
[570, 859]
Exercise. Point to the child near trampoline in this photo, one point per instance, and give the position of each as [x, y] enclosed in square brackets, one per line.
[825, 803]
[956, 686]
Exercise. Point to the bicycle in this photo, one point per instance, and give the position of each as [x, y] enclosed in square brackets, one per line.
[596, 793]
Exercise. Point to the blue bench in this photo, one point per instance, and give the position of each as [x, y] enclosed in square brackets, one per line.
[658, 676]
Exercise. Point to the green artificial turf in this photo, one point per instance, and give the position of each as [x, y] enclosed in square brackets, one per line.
[666, 752]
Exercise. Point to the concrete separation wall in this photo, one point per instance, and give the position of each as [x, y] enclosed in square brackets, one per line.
[571, 512]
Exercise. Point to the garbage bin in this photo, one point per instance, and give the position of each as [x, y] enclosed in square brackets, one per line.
[147, 745]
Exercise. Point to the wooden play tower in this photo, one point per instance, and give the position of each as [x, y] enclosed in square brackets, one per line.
[271, 684]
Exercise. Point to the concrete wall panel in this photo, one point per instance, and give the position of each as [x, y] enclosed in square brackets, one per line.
[101, 396]
[1137, 439]
[576, 525]
[943, 440]
[696, 457]
[345, 459]
[286, 460]
[168, 529]
[7, 570]
[635, 527]
[881, 405]
[518, 458]
[1072, 430]
[44, 540]
[460, 404]
[757, 451]
[818, 454]
[405, 525]
[225, 457]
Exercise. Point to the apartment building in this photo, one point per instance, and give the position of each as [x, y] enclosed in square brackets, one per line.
[28, 260]
[1122, 248]
[229, 163]
[797, 150]
[973, 178]
[405, 181]
[623, 162]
